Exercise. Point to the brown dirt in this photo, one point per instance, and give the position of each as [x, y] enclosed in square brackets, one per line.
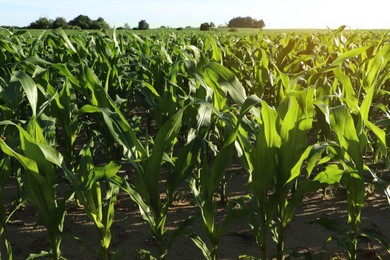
[130, 232]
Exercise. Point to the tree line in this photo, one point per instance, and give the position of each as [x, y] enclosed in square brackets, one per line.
[79, 22]
[237, 22]
[84, 22]
[246, 22]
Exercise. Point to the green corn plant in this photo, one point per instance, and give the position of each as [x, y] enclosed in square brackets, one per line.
[352, 134]
[205, 184]
[224, 85]
[40, 177]
[147, 180]
[352, 150]
[99, 208]
[257, 159]
[352, 140]
[203, 190]
[5, 172]
[274, 164]
[40, 182]
[11, 95]
[146, 190]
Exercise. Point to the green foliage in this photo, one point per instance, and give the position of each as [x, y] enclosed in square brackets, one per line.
[60, 22]
[41, 23]
[81, 22]
[246, 22]
[207, 26]
[143, 25]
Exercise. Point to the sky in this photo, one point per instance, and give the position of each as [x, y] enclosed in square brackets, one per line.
[277, 14]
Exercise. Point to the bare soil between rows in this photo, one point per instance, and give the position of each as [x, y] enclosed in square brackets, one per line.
[131, 233]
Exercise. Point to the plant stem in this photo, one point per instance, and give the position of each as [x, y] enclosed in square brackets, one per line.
[280, 228]
[262, 241]
[213, 251]
[55, 246]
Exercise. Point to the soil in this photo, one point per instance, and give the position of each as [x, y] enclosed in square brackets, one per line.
[131, 233]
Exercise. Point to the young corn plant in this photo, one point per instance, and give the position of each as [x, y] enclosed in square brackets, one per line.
[351, 139]
[39, 180]
[148, 166]
[99, 208]
[352, 126]
[204, 187]
[274, 164]
[209, 177]
[146, 192]
[5, 172]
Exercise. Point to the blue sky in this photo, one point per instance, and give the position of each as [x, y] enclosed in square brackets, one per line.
[356, 14]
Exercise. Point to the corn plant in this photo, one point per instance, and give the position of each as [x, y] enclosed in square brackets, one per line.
[146, 191]
[205, 183]
[274, 163]
[224, 86]
[148, 167]
[40, 180]
[203, 187]
[352, 130]
[41, 172]
[5, 173]
[99, 208]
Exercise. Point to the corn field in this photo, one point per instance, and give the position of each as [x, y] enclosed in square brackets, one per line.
[88, 118]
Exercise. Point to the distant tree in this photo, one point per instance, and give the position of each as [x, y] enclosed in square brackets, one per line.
[143, 25]
[41, 23]
[60, 22]
[82, 21]
[261, 24]
[127, 26]
[246, 22]
[99, 24]
[207, 26]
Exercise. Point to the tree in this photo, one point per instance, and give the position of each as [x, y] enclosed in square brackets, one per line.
[41, 23]
[82, 21]
[143, 25]
[207, 26]
[99, 24]
[60, 22]
[246, 22]
[261, 24]
[127, 26]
